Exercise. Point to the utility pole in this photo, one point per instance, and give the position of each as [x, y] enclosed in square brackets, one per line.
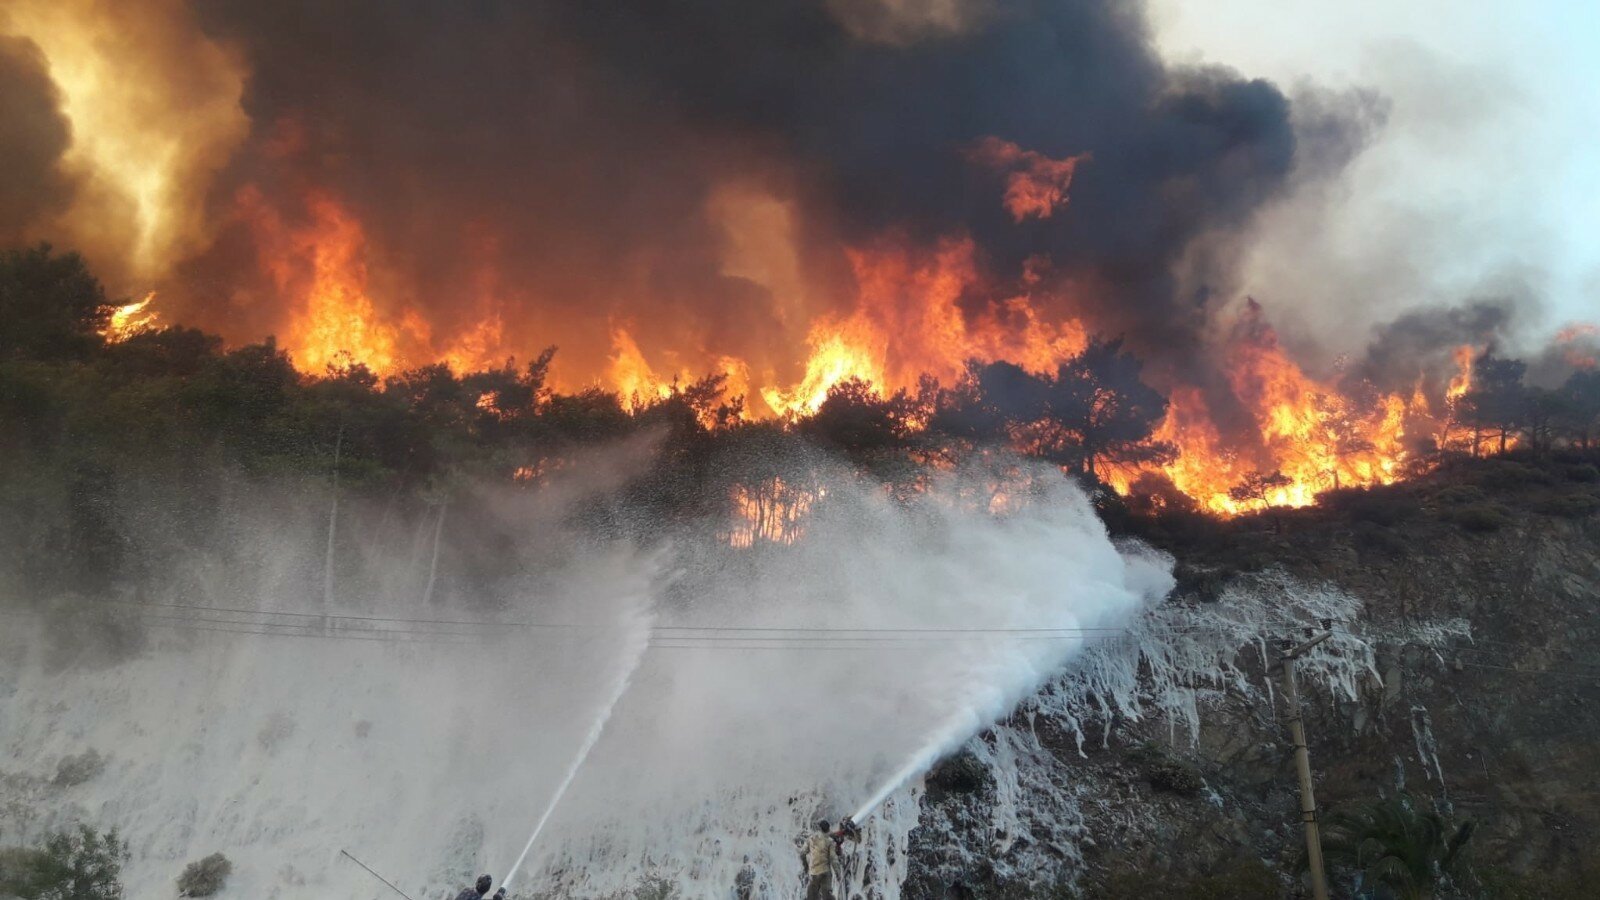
[1302, 762]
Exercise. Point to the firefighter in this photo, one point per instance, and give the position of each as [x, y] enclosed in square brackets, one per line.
[821, 851]
[478, 891]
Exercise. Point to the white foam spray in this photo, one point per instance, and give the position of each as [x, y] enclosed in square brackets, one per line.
[634, 652]
[799, 679]
[805, 678]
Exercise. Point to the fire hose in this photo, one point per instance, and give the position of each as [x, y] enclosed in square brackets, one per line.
[848, 830]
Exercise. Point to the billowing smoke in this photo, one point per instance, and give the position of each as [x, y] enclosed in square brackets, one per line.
[34, 137]
[1423, 339]
[498, 177]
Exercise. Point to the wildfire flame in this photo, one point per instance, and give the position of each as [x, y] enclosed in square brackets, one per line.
[770, 511]
[1036, 185]
[1461, 382]
[131, 319]
[1311, 434]
[918, 308]
[1578, 345]
[909, 322]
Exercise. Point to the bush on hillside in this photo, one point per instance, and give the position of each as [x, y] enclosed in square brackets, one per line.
[80, 864]
[1380, 506]
[1460, 494]
[1481, 517]
[75, 770]
[1572, 506]
[206, 877]
[1504, 474]
[1583, 472]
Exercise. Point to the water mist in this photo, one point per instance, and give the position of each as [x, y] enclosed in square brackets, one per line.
[781, 684]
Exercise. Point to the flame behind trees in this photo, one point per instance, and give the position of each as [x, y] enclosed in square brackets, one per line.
[1093, 414]
[1093, 411]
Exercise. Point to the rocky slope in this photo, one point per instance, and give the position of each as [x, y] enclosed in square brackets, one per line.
[1474, 610]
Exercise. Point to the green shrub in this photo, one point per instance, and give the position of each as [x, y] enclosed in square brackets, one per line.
[958, 774]
[1381, 541]
[1481, 517]
[1582, 472]
[75, 770]
[1505, 473]
[206, 877]
[81, 864]
[1396, 846]
[1175, 777]
[1459, 494]
[1572, 506]
[1237, 879]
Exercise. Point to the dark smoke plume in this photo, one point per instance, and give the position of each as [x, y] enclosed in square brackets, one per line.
[33, 136]
[572, 145]
[1424, 339]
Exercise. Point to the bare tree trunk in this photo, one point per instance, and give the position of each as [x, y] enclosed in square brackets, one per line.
[433, 567]
[333, 523]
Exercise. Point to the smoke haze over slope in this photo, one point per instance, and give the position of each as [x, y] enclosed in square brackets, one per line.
[428, 746]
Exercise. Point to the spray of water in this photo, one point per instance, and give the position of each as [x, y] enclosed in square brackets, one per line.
[807, 677]
[797, 680]
[638, 624]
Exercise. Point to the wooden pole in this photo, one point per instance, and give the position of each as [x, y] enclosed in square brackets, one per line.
[1302, 763]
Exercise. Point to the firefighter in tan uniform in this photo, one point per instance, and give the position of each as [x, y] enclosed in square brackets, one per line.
[822, 851]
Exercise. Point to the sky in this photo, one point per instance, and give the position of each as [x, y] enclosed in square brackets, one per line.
[1483, 180]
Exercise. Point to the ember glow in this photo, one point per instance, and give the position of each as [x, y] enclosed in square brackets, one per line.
[1035, 184]
[1461, 381]
[130, 319]
[1309, 432]
[771, 512]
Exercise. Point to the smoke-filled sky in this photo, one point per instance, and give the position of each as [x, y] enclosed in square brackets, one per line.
[1482, 181]
[734, 185]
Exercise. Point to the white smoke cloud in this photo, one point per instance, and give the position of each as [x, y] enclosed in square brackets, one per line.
[887, 636]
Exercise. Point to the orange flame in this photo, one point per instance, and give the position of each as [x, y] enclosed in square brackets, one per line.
[909, 321]
[771, 511]
[638, 385]
[1036, 185]
[1461, 382]
[131, 319]
[321, 267]
[1311, 433]
[1578, 345]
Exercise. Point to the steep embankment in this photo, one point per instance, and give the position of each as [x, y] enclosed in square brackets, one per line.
[1461, 670]
[1477, 594]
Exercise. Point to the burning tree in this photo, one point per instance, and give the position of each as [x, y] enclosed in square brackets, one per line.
[1260, 487]
[1093, 411]
[857, 420]
[1496, 403]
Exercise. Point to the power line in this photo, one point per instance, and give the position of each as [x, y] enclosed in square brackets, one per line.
[747, 643]
[669, 642]
[1553, 673]
[1064, 630]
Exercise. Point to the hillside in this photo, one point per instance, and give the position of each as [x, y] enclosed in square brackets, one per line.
[1479, 592]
